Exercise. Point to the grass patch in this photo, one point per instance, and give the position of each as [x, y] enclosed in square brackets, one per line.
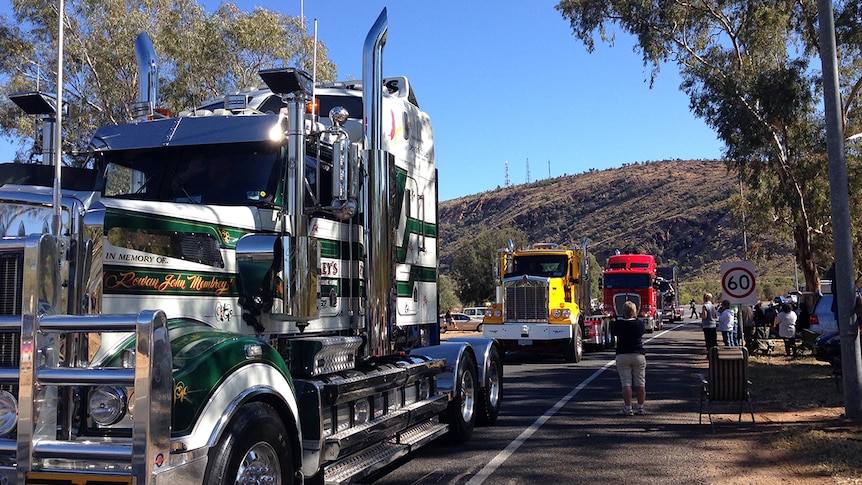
[830, 452]
[782, 384]
[830, 448]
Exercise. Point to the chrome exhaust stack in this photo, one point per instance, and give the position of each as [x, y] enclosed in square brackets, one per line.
[379, 241]
[148, 78]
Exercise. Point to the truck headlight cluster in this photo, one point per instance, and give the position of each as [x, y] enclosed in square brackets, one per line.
[8, 412]
[562, 313]
[361, 412]
[107, 405]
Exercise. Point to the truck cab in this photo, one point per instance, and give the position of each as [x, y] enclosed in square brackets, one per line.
[632, 277]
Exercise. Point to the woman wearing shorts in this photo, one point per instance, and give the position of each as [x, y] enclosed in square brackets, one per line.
[631, 358]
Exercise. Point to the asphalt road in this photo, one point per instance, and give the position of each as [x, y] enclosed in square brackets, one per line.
[558, 424]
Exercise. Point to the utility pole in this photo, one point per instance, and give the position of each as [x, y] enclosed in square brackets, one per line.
[843, 286]
[744, 236]
[508, 182]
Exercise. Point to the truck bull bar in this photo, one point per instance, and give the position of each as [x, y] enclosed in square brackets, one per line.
[49, 371]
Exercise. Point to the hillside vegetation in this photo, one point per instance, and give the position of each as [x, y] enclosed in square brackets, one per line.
[678, 211]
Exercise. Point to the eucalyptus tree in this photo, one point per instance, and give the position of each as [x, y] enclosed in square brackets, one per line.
[751, 71]
[201, 55]
[473, 264]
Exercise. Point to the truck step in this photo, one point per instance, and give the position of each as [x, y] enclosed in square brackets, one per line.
[374, 458]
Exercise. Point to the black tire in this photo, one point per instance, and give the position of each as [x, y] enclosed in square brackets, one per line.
[461, 413]
[479, 327]
[254, 440]
[574, 347]
[444, 329]
[492, 391]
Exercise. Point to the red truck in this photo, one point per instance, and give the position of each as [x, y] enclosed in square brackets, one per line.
[631, 277]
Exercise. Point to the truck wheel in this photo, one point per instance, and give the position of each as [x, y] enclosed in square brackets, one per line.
[492, 393]
[253, 449]
[461, 415]
[574, 347]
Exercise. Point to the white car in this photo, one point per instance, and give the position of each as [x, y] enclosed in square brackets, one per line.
[476, 313]
[822, 319]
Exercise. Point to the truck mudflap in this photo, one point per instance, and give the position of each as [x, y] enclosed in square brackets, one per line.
[595, 330]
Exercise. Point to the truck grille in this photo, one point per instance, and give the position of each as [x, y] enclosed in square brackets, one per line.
[11, 278]
[622, 298]
[11, 283]
[527, 301]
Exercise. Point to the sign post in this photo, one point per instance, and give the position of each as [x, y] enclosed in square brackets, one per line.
[738, 282]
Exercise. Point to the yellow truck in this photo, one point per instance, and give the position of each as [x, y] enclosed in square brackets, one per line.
[543, 301]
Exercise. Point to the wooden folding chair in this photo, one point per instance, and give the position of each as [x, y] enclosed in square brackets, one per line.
[727, 382]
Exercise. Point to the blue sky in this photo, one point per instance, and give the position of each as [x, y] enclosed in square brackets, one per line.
[506, 81]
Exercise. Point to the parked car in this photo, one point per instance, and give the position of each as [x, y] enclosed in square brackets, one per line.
[822, 319]
[476, 313]
[460, 322]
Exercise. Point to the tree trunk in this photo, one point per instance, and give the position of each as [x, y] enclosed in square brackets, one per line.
[804, 258]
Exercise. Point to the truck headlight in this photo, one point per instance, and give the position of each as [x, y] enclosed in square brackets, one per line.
[361, 412]
[8, 412]
[107, 405]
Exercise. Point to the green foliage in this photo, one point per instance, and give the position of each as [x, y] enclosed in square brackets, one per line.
[200, 55]
[473, 263]
[747, 69]
[447, 294]
[595, 274]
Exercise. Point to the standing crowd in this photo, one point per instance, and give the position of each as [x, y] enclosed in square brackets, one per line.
[749, 327]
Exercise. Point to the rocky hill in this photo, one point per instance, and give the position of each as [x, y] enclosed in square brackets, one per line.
[676, 210]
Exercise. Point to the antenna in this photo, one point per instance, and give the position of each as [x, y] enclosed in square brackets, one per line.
[528, 170]
[508, 182]
[549, 169]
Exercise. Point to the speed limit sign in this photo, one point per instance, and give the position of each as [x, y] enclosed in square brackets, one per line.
[738, 282]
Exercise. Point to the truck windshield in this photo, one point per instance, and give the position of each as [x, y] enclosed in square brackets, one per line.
[238, 174]
[540, 265]
[627, 280]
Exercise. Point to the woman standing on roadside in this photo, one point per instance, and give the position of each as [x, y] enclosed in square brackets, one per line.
[631, 357]
[727, 324]
[786, 321]
[709, 322]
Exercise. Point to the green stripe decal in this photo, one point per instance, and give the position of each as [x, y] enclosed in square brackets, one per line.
[330, 248]
[225, 235]
[417, 274]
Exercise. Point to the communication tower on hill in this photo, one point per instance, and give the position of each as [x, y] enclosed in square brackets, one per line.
[508, 182]
[528, 170]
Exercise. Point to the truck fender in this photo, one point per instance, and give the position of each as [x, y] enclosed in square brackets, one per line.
[249, 382]
[489, 361]
[482, 350]
[451, 352]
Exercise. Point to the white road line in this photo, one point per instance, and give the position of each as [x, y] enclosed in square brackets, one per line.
[504, 455]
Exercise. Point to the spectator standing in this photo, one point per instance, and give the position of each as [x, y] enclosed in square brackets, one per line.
[709, 321]
[786, 320]
[726, 324]
[631, 358]
[693, 309]
[450, 322]
[745, 320]
[804, 320]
